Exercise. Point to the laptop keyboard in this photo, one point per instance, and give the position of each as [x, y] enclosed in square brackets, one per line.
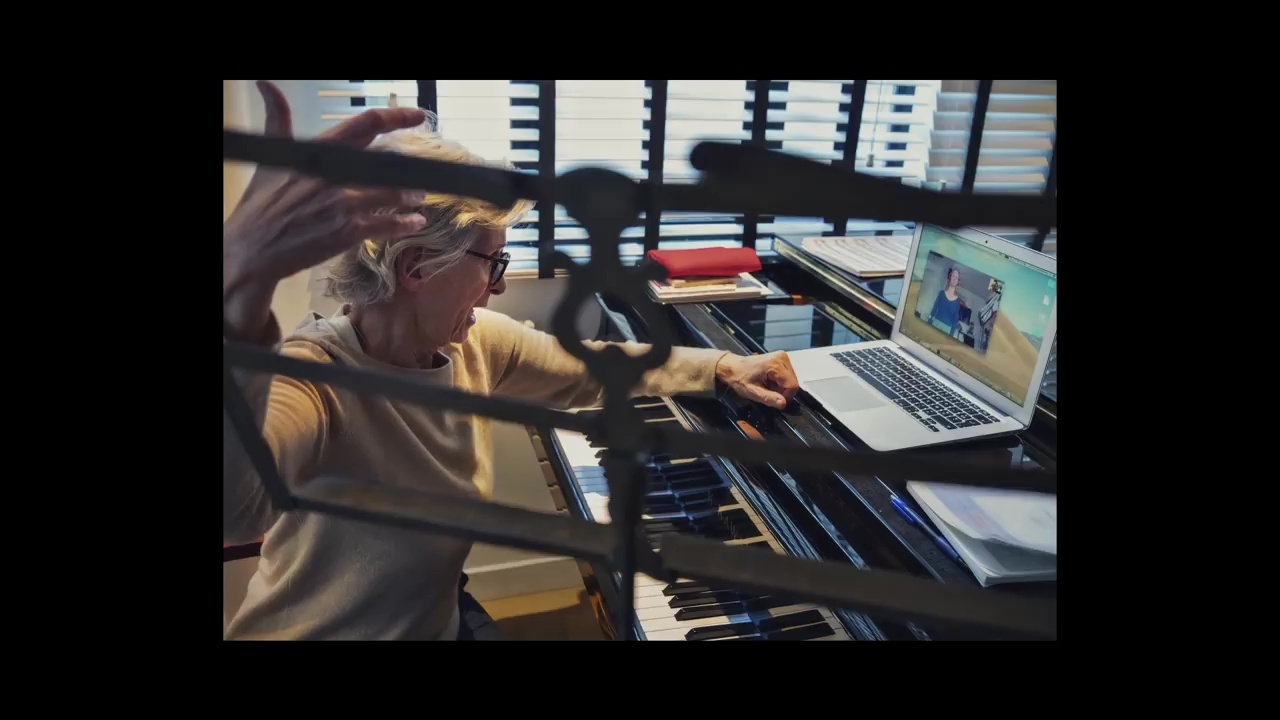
[931, 403]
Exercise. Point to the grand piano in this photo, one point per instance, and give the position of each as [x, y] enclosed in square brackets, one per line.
[829, 516]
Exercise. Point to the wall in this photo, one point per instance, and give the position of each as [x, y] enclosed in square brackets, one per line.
[243, 109]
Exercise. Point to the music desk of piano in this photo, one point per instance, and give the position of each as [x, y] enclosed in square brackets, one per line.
[825, 516]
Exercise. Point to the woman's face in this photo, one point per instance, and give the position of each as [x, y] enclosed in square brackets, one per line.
[447, 301]
[953, 279]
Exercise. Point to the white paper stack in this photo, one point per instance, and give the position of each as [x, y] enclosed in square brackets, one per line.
[1002, 535]
[873, 256]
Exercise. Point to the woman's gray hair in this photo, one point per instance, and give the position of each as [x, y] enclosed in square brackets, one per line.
[366, 274]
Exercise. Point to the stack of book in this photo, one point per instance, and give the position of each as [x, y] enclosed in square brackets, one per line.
[695, 289]
[706, 275]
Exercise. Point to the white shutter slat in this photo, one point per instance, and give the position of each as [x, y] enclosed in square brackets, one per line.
[599, 123]
[893, 137]
[811, 116]
[1017, 135]
[698, 111]
[337, 100]
[480, 114]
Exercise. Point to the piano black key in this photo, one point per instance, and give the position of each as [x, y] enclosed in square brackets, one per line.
[655, 533]
[712, 632]
[682, 458]
[767, 602]
[686, 587]
[692, 494]
[656, 507]
[746, 604]
[695, 473]
[774, 624]
[711, 526]
[808, 632]
[694, 599]
[655, 412]
[664, 522]
[697, 613]
[703, 504]
[739, 524]
[679, 516]
[697, 483]
[682, 461]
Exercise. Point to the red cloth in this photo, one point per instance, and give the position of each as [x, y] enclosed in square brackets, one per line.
[707, 262]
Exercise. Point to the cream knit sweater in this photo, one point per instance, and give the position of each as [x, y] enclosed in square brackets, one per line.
[322, 577]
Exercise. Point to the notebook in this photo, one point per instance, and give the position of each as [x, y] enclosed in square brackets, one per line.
[1003, 536]
[873, 256]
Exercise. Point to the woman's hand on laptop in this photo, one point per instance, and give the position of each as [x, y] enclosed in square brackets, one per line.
[766, 379]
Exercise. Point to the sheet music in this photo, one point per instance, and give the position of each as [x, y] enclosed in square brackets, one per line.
[863, 256]
[976, 536]
[1018, 519]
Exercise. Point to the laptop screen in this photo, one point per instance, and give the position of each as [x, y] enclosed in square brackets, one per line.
[980, 310]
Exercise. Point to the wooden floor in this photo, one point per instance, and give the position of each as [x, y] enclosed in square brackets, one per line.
[555, 615]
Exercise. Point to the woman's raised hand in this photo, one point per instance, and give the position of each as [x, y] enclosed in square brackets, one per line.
[287, 222]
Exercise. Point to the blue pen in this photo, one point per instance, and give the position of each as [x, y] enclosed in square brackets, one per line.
[914, 519]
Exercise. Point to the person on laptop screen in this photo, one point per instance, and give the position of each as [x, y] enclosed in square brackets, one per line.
[987, 315]
[946, 307]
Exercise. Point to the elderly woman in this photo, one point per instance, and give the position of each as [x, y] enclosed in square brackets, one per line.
[414, 272]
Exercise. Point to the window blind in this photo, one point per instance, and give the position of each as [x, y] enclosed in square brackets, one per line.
[1017, 142]
[497, 120]
[600, 123]
[915, 130]
[1017, 138]
[607, 123]
[811, 118]
[337, 100]
[697, 111]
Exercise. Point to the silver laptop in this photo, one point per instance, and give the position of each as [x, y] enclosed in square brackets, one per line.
[975, 324]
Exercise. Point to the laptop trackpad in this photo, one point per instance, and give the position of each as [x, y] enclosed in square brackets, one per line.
[844, 394]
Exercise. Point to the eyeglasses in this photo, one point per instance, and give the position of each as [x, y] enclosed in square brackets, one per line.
[499, 261]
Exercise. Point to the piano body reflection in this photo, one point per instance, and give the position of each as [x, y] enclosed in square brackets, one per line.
[828, 516]
[691, 495]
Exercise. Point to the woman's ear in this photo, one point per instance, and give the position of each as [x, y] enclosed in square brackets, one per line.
[408, 274]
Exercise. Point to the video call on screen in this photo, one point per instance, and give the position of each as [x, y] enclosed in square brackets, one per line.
[982, 311]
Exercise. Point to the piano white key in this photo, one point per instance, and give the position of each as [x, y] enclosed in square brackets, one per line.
[576, 448]
[653, 612]
[658, 635]
[654, 600]
[657, 631]
[679, 634]
[598, 506]
[835, 625]
[670, 622]
[652, 591]
[643, 580]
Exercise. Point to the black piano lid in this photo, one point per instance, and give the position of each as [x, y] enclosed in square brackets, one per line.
[859, 508]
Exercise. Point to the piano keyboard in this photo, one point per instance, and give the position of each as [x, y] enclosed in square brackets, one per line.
[686, 494]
